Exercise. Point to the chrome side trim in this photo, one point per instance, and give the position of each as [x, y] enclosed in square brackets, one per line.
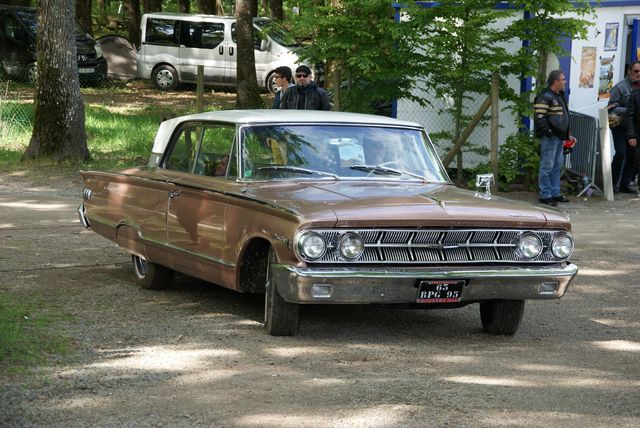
[147, 241]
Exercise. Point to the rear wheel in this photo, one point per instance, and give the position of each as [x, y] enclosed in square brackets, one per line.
[280, 317]
[501, 317]
[165, 78]
[151, 276]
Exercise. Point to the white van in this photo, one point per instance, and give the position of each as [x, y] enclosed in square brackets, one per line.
[174, 44]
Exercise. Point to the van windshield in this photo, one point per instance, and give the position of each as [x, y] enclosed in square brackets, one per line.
[30, 19]
[278, 33]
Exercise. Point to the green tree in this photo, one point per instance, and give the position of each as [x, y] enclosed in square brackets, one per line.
[370, 56]
[462, 45]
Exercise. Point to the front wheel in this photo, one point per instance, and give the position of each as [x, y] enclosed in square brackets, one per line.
[280, 317]
[501, 317]
[151, 276]
[165, 78]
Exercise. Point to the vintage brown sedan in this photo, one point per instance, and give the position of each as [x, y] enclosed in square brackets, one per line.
[326, 208]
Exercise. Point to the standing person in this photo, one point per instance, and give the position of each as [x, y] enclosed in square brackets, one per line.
[283, 78]
[618, 102]
[551, 121]
[306, 95]
[632, 120]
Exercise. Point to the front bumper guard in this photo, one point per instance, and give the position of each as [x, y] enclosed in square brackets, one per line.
[389, 286]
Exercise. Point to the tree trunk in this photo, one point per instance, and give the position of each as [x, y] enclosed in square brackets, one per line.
[102, 13]
[133, 23]
[58, 131]
[151, 6]
[219, 8]
[83, 14]
[247, 91]
[207, 7]
[184, 6]
[276, 9]
[254, 6]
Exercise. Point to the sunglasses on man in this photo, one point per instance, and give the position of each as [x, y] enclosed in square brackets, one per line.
[299, 75]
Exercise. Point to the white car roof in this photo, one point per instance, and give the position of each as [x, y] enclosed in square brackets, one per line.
[257, 117]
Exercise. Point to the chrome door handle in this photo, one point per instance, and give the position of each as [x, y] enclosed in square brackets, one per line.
[174, 194]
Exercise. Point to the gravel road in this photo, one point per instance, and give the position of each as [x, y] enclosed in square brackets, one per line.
[196, 354]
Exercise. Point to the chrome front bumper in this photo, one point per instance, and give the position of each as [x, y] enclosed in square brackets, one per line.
[388, 286]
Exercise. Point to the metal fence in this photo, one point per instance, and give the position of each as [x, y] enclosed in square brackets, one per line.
[582, 165]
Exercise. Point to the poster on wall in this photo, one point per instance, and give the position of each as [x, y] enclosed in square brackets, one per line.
[605, 78]
[587, 67]
[611, 36]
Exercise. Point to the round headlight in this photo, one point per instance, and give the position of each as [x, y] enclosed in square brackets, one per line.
[530, 245]
[351, 246]
[562, 245]
[312, 245]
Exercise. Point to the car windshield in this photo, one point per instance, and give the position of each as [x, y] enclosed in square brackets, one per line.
[30, 19]
[336, 152]
[277, 32]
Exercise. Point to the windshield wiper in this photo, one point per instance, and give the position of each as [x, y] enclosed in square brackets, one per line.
[378, 169]
[298, 170]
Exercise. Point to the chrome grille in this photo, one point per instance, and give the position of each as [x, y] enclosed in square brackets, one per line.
[436, 246]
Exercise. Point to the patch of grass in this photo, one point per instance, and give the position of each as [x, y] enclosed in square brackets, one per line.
[28, 334]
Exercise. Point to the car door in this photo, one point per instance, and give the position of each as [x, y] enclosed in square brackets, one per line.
[201, 43]
[262, 58]
[196, 210]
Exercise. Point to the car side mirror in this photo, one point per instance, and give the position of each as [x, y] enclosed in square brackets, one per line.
[265, 45]
[484, 181]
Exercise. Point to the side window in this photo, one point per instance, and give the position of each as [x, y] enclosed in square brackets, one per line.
[203, 35]
[183, 153]
[12, 28]
[161, 32]
[214, 154]
[257, 37]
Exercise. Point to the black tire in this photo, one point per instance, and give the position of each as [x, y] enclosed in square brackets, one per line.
[32, 73]
[271, 83]
[151, 276]
[501, 317]
[165, 78]
[281, 318]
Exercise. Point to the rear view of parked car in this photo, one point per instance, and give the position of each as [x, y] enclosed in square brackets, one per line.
[173, 45]
[18, 29]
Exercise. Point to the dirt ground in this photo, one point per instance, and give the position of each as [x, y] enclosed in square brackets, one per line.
[196, 354]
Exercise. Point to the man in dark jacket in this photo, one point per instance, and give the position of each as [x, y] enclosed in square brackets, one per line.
[551, 120]
[618, 102]
[632, 120]
[306, 95]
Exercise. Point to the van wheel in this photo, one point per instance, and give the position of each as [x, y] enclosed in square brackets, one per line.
[32, 73]
[151, 276]
[271, 83]
[280, 317]
[165, 78]
[501, 317]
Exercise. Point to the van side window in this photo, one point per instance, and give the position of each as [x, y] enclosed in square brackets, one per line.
[203, 34]
[257, 36]
[161, 32]
[12, 28]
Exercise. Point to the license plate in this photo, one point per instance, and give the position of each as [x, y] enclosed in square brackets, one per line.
[440, 291]
[85, 70]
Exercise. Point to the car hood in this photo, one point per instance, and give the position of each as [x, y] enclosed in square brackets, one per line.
[378, 204]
